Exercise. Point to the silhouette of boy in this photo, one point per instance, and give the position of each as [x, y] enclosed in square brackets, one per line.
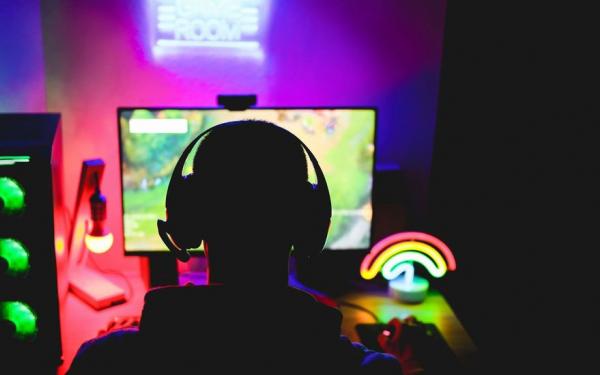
[250, 177]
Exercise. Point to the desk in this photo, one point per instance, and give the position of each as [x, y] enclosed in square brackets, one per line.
[434, 309]
[79, 322]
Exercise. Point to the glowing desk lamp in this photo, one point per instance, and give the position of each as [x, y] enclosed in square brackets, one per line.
[98, 239]
[89, 285]
[395, 255]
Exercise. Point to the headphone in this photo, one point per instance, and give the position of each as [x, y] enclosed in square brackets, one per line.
[180, 234]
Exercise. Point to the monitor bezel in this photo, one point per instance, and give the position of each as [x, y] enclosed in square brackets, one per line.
[198, 252]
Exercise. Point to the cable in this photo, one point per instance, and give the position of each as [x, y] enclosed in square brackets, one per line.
[67, 217]
[358, 307]
[117, 273]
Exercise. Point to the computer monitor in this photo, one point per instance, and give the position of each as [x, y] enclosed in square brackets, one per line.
[152, 139]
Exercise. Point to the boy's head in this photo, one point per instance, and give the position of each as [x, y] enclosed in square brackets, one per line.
[249, 199]
[251, 175]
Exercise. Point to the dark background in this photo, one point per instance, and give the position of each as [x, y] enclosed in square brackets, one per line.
[513, 184]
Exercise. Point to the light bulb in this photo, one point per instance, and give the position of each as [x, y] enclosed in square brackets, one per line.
[99, 244]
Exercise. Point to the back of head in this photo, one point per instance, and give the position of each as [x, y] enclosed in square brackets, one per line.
[252, 175]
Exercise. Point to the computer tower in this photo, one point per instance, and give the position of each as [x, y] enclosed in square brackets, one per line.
[33, 249]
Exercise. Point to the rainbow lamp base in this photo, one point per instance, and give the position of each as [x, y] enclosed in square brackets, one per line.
[409, 292]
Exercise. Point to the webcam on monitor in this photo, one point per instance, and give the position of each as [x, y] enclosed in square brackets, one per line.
[236, 102]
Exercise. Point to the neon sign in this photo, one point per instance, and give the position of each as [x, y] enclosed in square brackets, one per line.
[207, 24]
[394, 257]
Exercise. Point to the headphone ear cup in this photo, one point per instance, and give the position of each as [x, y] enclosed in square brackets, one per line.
[313, 223]
[186, 233]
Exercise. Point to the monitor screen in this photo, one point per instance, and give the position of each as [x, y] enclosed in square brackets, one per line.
[151, 141]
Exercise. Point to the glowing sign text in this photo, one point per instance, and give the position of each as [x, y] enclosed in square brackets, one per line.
[207, 23]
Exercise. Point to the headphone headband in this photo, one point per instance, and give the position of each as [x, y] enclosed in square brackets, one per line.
[165, 231]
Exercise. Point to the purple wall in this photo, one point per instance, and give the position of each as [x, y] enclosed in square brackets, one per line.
[21, 58]
[327, 53]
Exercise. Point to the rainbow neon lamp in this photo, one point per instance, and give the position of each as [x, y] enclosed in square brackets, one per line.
[395, 255]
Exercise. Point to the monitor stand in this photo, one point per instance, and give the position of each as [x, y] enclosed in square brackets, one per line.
[163, 270]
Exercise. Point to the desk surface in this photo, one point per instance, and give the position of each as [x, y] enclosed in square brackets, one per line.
[79, 322]
[434, 309]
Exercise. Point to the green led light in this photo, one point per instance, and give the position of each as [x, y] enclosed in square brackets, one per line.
[15, 255]
[11, 160]
[12, 196]
[23, 318]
